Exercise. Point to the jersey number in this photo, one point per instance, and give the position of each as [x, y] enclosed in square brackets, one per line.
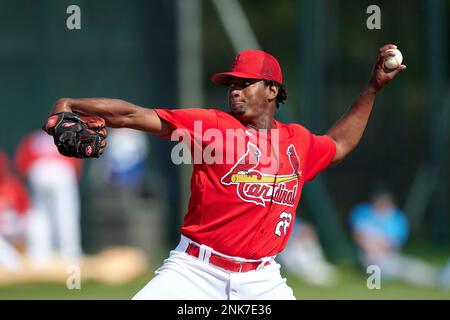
[284, 223]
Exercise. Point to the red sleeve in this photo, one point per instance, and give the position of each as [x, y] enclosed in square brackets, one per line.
[24, 157]
[18, 195]
[191, 120]
[322, 150]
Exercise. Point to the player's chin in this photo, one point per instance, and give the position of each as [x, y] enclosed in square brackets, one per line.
[238, 110]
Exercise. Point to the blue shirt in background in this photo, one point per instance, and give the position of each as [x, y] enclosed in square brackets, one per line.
[390, 224]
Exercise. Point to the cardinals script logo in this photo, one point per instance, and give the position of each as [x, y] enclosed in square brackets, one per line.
[256, 187]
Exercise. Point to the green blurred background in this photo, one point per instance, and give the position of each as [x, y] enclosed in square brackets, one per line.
[162, 53]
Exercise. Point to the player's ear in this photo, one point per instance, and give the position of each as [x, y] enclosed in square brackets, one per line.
[272, 91]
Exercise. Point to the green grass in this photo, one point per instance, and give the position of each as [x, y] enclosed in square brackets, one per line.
[352, 285]
[89, 290]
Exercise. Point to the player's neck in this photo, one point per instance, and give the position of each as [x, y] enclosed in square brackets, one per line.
[264, 122]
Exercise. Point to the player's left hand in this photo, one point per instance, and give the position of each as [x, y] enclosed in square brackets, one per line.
[380, 75]
[75, 136]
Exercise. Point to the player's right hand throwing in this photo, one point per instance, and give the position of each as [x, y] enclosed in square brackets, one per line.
[381, 76]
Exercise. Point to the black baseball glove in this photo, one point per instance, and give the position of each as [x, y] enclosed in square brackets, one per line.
[76, 136]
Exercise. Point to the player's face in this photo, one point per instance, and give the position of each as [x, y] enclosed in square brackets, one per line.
[247, 98]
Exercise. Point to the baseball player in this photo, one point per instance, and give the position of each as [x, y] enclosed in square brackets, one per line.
[241, 211]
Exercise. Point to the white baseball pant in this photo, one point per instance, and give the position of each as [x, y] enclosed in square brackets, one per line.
[54, 225]
[10, 258]
[184, 277]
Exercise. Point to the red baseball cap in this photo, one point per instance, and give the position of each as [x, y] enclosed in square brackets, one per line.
[251, 64]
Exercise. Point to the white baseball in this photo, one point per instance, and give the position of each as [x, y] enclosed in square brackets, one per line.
[393, 62]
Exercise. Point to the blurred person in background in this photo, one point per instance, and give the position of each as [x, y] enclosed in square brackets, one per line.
[444, 276]
[14, 204]
[304, 257]
[123, 165]
[380, 229]
[54, 220]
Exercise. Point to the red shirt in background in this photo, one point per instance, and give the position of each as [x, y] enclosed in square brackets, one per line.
[38, 146]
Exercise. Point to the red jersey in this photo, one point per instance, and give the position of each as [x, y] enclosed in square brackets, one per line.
[244, 203]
